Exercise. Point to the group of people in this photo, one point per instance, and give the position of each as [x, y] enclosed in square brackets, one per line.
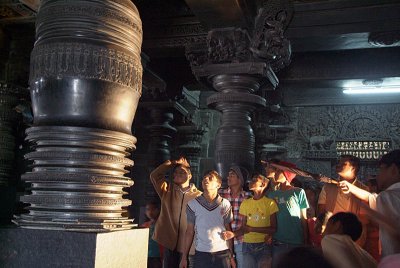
[268, 227]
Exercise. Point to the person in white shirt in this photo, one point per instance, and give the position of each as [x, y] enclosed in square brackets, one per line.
[338, 244]
[387, 202]
[209, 217]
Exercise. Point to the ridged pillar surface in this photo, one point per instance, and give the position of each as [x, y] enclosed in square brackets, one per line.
[190, 138]
[161, 133]
[10, 96]
[235, 139]
[85, 81]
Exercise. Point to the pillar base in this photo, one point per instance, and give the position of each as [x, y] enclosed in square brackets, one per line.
[47, 248]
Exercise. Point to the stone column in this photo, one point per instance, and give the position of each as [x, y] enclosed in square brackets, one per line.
[9, 99]
[160, 134]
[157, 117]
[237, 63]
[10, 121]
[189, 140]
[235, 139]
[269, 137]
[85, 82]
[16, 42]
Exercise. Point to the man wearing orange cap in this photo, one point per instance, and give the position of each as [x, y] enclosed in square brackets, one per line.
[292, 215]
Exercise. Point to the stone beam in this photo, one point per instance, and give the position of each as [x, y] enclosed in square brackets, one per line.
[225, 13]
[331, 96]
[329, 18]
[345, 24]
[307, 68]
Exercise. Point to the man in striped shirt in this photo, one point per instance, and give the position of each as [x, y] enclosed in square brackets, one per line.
[235, 194]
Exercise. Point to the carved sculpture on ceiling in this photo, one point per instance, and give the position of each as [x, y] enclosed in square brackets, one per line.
[268, 40]
[265, 44]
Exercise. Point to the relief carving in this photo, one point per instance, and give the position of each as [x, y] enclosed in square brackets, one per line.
[268, 41]
[266, 44]
[323, 142]
[228, 45]
[318, 128]
[86, 61]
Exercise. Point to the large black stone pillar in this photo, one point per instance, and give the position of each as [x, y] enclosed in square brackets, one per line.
[85, 82]
[235, 139]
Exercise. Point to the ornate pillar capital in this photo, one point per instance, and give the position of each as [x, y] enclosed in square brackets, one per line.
[261, 51]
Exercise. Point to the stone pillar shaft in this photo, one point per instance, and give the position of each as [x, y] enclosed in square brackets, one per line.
[85, 83]
[190, 138]
[235, 140]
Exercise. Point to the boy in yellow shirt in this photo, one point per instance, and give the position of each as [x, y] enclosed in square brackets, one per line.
[259, 223]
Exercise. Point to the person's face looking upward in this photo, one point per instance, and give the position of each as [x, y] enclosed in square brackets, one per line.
[210, 183]
[181, 175]
[233, 179]
[257, 183]
[345, 169]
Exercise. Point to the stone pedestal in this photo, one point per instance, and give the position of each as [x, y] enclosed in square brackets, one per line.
[45, 248]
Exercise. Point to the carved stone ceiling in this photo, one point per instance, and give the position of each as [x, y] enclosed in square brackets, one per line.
[335, 43]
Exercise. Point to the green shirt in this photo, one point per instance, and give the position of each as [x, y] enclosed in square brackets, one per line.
[290, 203]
